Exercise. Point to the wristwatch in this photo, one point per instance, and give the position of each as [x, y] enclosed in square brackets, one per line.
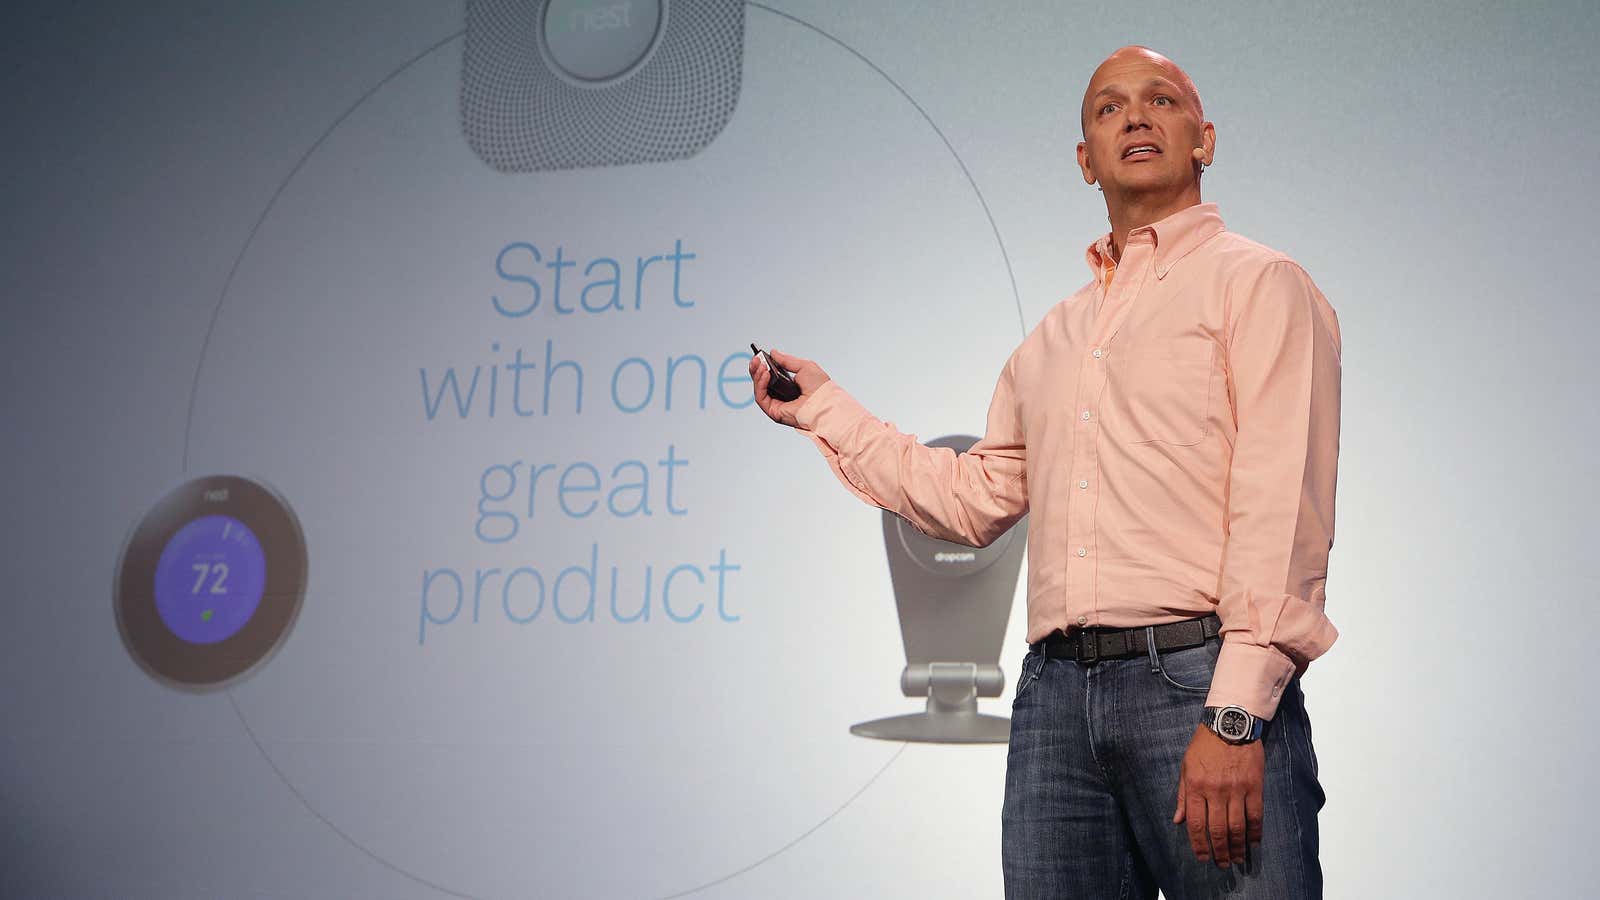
[1233, 724]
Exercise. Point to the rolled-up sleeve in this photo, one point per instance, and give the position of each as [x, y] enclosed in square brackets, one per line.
[1283, 379]
[969, 498]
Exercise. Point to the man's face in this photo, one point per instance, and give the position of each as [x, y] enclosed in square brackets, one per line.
[1138, 100]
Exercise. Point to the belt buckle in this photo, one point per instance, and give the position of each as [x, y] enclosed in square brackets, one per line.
[1092, 654]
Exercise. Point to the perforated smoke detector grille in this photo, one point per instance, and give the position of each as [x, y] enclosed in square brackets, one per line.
[521, 113]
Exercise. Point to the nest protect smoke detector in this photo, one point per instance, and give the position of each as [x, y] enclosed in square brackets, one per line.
[569, 84]
[954, 602]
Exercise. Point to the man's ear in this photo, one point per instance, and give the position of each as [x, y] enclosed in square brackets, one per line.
[1083, 162]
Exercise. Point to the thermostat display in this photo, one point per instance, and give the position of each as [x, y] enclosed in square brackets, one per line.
[210, 581]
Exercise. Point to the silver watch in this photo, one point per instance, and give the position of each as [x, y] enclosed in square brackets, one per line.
[1233, 724]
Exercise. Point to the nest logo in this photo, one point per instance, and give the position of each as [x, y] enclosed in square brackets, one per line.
[597, 42]
[593, 17]
[569, 84]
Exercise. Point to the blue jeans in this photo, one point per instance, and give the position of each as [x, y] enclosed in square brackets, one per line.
[1092, 784]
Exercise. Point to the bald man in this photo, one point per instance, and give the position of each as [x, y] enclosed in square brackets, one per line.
[1173, 430]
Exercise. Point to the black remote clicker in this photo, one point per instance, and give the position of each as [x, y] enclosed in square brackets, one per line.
[781, 385]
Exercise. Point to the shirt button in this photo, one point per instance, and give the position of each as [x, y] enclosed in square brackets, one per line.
[1098, 353]
[1083, 551]
[1084, 483]
[1082, 620]
[1086, 415]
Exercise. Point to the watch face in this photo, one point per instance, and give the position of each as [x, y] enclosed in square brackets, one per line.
[210, 582]
[1234, 723]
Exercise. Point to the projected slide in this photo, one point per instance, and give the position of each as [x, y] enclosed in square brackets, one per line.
[489, 341]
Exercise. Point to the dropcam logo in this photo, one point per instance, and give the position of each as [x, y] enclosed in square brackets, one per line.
[959, 556]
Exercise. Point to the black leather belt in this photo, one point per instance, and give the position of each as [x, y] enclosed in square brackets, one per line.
[1090, 645]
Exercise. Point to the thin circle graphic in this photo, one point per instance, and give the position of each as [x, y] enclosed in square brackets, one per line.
[210, 582]
[234, 270]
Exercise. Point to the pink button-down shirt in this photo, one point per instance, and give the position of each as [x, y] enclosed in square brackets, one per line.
[1175, 436]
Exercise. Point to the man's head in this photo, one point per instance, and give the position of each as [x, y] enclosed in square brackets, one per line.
[1137, 97]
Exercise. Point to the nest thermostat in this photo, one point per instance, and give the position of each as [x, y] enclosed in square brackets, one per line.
[210, 581]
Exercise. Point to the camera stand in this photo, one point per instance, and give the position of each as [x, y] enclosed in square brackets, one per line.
[952, 715]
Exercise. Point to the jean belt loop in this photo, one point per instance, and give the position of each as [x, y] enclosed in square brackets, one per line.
[1150, 644]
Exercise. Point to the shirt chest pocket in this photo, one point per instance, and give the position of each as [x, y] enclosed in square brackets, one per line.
[1160, 392]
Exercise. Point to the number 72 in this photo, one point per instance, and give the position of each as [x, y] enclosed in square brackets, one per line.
[204, 569]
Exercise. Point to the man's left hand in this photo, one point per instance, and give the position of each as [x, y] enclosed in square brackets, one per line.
[1219, 794]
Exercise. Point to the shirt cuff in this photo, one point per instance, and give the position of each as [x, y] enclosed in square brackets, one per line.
[829, 412]
[827, 417]
[1250, 676]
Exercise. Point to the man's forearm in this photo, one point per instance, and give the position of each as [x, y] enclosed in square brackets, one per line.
[969, 498]
[1285, 370]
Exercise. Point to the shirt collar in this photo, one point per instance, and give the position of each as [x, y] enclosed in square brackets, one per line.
[1174, 237]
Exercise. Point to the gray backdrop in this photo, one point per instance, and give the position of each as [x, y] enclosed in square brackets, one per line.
[1432, 166]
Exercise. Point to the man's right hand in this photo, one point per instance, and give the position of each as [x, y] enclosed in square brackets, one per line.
[807, 374]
